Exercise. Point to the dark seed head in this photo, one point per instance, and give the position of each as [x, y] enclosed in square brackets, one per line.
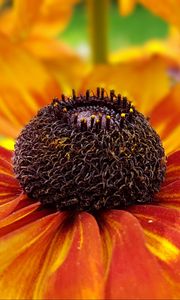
[89, 152]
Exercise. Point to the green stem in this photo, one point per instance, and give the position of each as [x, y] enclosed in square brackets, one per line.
[98, 19]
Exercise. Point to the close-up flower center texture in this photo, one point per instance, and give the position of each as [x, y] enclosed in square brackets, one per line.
[89, 152]
[89, 149]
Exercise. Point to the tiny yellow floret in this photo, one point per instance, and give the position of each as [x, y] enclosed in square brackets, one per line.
[83, 120]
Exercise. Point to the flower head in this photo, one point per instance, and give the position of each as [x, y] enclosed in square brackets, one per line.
[89, 152]
[112, 253]
[86, 209]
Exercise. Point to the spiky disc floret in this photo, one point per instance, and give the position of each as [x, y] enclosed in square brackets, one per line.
[89, 152]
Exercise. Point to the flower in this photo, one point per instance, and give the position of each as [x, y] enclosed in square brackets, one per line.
[89, 152]
[113, 254]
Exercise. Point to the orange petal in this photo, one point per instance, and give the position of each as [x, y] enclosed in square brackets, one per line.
[173, 168]
[53, 17]
[65, 65]
[165, 117]
[161, 227]
[8, 129]
[22, 256]
[132, 272]
[126, 6]
[25, 15]
[171, 142]
[21, 95]
[43, 17]
[145, 81]
[73, 269]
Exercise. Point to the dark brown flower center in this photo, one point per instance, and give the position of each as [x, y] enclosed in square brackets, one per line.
[89, 152]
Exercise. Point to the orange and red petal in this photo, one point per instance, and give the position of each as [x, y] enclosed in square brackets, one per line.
[171, 142]
[74, 270]
[6, 155]
[57, 256]
[165, 118]
[132, 271]
[9, 186]
[52, 245]
[60, 256]
[22, 256]
[9, 206]
[10, 191]
[5, 166]
[161, 227]
[170, 194]
[173, 168]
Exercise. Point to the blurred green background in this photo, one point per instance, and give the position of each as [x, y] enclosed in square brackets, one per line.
[135, 29]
